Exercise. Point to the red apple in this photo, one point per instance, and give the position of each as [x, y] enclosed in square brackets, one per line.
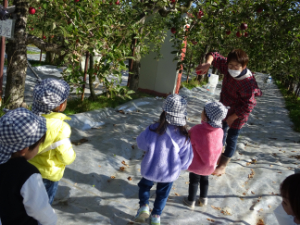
[259, 10]
[244, 26]
[173, 1]
[198, 72]
[44, 37]
[32, 28]
[194, 42]
[228, 32]
[76, 0]
[31, 10]
[200, 14]
[117, 2]
[238, 34]
[246, 34]
[173, 30]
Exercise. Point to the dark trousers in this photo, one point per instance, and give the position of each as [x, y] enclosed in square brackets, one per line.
[195, 179]
[51, 188]
[162, 193]
[230, 138]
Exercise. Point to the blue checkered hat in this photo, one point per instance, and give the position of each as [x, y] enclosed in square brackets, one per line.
[175, 108]
[216, 112]
[19, 129]
[48, 94]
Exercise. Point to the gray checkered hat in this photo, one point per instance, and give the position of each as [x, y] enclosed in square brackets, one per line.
[19, 129]
[216, 112]
[48, 94]
[175, 108]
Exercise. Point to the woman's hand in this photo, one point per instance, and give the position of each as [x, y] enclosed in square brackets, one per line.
[231, 119]
[204, 67]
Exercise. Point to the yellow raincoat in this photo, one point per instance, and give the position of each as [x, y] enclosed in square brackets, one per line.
[52, 163]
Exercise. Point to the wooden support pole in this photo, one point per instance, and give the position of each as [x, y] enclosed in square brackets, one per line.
[2, 58]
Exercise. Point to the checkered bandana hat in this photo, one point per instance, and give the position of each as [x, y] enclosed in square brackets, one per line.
[175, 108]
[48, 94]
[19, 129]
[216, 112]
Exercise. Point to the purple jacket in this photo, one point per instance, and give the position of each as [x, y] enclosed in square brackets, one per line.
[162, 162]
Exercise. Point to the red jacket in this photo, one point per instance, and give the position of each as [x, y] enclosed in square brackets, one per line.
[238, 94]
[207, 147]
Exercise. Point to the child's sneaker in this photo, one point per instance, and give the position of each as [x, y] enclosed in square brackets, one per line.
[203, 201]
[189, 203]
[142, 214]
[154, 220]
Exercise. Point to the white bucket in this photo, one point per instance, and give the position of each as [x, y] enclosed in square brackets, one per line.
[213, 80]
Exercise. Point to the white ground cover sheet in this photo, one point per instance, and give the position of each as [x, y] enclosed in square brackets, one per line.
[100, 187]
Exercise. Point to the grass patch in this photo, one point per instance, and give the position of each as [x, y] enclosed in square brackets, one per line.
[32, 52]
[38, 63]
[292, 103]
[193, 83]
[77, 106]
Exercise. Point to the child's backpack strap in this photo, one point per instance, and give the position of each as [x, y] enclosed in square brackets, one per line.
[173, 142]
[55, 145]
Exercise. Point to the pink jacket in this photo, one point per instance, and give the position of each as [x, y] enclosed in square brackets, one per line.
[207, 147]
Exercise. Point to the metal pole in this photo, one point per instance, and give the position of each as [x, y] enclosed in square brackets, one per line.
[2, 57]
[85, 73]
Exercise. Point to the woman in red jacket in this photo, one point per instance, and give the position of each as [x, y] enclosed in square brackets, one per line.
[239, 90]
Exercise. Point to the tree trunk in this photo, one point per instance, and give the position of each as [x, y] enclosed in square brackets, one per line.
[200, 78]
[215, 70]
[17, 59]
[135, 75]
[93, 96]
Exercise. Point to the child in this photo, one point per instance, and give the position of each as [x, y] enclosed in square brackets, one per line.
[23, 197]
[49, 100]
[206, 139]
[168, 151]
[239, 90]
[288, 212]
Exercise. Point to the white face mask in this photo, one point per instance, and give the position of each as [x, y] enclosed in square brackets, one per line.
[234, 73]
[282, 217]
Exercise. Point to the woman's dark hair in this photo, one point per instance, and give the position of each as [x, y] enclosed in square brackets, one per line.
[239, 56]
[31, 147]
[289, 189]
[162, 126]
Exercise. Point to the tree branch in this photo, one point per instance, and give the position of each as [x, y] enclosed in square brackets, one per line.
[47, 47]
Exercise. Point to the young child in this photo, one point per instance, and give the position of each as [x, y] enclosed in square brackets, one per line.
[23, 197]
[206, 139]
[49, 100]
[168, 151]
[239, 89]
[288, 212]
